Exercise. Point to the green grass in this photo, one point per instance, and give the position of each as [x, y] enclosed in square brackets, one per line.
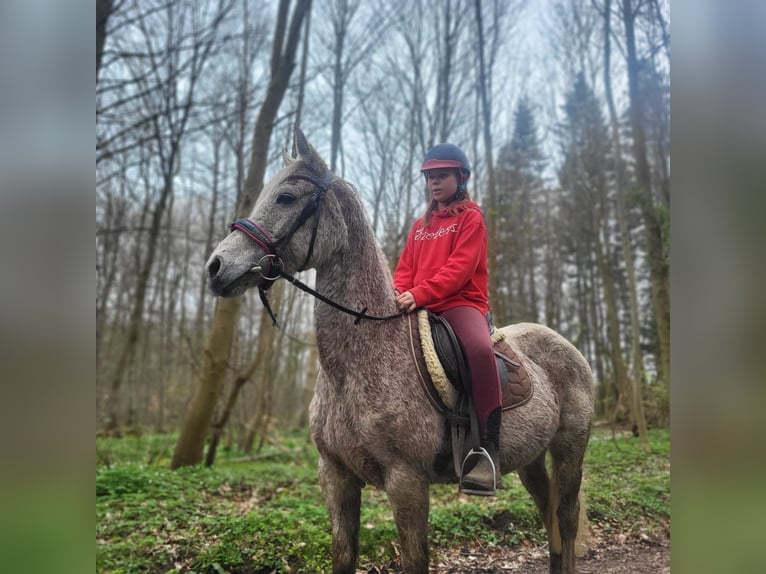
[266, 515]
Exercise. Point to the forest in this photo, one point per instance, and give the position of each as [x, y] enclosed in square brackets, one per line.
[563, 107]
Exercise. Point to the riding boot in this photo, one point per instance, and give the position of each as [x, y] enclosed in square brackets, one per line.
[483, 478]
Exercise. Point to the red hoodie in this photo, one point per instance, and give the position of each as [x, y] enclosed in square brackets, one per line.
[444, 265]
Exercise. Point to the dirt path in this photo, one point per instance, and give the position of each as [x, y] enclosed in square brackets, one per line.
[615, 556]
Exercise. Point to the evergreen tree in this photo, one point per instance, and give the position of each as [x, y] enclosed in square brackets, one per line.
[520, 182]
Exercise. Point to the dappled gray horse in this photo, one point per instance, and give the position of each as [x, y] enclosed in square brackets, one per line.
[370, 418]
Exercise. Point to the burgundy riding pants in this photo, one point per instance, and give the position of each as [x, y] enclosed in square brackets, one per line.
[471, 329]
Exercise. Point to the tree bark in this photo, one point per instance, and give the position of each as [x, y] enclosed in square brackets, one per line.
[656, 258]
[190, 446]
[338, 82]
[302, 79]
[491, 215]
[215, 362]
[623, 407]
[104, 9]
[637, 403]
[220, 424]
[444, 84]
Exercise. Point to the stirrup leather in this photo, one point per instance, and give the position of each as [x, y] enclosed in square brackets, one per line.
[481, 452]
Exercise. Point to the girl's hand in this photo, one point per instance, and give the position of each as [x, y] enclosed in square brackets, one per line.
[405, 302]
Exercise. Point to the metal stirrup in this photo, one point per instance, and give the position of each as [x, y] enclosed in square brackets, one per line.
[481, 451]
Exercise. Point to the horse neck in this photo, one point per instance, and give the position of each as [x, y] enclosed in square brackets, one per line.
[357, 277]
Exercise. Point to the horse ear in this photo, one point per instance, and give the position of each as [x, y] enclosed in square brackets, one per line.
[301, 144]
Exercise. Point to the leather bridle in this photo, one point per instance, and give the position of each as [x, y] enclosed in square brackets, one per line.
[312, 208]
[271, 266]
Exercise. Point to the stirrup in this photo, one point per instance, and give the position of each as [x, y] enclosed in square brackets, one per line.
[481, 451]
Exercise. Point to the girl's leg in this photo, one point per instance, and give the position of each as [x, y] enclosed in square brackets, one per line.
[470, 326]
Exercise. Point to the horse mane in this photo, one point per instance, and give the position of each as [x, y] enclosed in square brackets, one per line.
[347, 195]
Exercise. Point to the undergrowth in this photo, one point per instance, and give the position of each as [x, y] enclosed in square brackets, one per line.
[260, 516]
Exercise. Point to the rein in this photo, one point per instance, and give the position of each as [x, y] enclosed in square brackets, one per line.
[270, 265]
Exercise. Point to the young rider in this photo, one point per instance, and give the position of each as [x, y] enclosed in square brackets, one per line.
[444, 268]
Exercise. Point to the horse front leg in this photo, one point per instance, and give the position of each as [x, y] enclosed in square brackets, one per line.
[409, 495]
[343, 494]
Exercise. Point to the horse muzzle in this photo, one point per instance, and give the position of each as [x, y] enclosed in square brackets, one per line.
[232, 278]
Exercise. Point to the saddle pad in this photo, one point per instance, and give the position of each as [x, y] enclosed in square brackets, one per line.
[517, 388]
[438, 377]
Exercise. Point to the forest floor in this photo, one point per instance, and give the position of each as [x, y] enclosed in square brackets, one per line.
[612, 556]
[265, 514]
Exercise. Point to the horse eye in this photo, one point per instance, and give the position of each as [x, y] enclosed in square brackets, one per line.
[285, 198]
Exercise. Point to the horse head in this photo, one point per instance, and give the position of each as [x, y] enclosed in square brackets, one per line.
[296, 224]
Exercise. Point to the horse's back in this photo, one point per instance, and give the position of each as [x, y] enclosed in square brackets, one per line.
[559, 358]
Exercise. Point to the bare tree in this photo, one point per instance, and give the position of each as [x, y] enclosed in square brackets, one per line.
[491, 203]
[627, 249]
[484, 89]
[657, 257]
[172, 109]
[354, 35]
[189, 448]
[564, 249]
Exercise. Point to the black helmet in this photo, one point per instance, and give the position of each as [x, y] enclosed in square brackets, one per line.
[446, 155]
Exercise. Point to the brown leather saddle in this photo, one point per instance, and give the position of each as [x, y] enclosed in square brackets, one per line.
[515, 383]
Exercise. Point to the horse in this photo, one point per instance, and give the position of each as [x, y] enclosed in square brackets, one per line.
[370, 418]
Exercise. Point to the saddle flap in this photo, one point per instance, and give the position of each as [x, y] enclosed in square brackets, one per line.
[449, 352]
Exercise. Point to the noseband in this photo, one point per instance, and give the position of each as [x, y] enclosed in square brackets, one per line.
[270, 265]
[259, 235]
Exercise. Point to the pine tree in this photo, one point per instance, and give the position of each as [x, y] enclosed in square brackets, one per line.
[520, 167]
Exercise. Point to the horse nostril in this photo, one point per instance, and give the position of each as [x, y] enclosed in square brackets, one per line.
[214, 267]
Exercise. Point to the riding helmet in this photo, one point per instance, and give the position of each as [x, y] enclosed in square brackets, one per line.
[446, 155]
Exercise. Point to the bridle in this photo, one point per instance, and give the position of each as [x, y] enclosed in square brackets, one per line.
[259, 235]
[271, 266]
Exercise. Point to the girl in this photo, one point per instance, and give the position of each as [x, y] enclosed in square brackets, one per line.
[444, 268]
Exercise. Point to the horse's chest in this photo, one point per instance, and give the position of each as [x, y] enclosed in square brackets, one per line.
[363, 439]
[346, 440]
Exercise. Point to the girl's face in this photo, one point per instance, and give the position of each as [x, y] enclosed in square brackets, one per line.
[442, 184]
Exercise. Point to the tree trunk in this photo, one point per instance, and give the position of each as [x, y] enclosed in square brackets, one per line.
[656, 258]
[136, 316]
[627, 249]
[196, 423]
[444, 81]
[215, 362]
[199, 320]
[491, 215]
[220, 424]
[302, 79]
[622, 406]
[338, 81]
[104, 9]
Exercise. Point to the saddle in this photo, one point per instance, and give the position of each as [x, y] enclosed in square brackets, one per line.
[446, 379]
[445, 372]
